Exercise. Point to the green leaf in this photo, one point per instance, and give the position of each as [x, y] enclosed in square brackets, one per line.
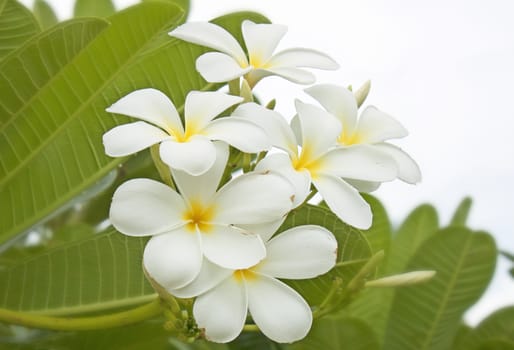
[183, 4]
[461, 214]
[93, 274]
[96, 8]
[44, 14]
[254, 341]
[17, 24]
[428, 316]
[335, 333]
[497, 327]
[353, 251]
[420, 225]
[57, 132]
[496, 344]
[379, 234]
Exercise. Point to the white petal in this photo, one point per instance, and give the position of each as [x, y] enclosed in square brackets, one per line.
[281, 163]
[301, 252]
[254, 198]
[408, 169]
[320, 129]
[232, 248]
[301, 57]
[209, 277]
[265, 230]
[239, 132]
[217, 67]
[173, 259]
[143, 207]
[261, 40]
[344, 201]
[274, 124]
[361, 162]
[221, 312]
[150, 105]
[279, 311]
[210, 35]
[339, 101]
[194, 157]
[363, 186]
[377, 126]
[202, 188]
[131, 138]
[296, 75]
[202, 106]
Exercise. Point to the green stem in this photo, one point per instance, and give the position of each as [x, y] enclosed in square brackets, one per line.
[119, 319]
[250, 328]
[163, 169]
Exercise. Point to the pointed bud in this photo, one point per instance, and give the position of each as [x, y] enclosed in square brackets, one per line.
[271, 104]
[404, 279]
[246, 92]
[362, 93]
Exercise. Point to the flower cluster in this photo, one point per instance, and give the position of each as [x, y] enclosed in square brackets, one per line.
[213, 231]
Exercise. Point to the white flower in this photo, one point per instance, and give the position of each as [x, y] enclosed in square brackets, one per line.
[261, 41]
[200, 221]
[321, 160]
[372, 128]
[225, 295]
[190, 148]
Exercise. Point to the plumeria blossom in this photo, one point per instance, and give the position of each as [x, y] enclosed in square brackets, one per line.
[225, 295]
[321, 160]
[200, 221]
[186, 148]
[373, 128]
[261, 41]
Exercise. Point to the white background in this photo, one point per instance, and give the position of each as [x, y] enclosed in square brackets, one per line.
[444, 69]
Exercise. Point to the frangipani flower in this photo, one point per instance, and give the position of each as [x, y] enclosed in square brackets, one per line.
[261, 41]
[225, 295]
[200, 221]
[373, 128]
[321, 160]
[189, 149]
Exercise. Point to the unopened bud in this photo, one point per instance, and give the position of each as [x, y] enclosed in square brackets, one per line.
[404, 279]
[362, 93]
[246, 91]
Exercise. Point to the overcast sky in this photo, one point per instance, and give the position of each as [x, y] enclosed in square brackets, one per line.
[443, 68]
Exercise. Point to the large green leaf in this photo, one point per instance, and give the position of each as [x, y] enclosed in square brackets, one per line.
[57, 132]
[335, 333]
[97, 273]
[420, 225]
[44, 14]
[428, 316]
[100, 8]
[353, 251]
[17, 24]
[460, 216]
[497, 327]
[379, 234]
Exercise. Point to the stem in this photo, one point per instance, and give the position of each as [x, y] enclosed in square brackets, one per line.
[119, 319]
[251, 328]
[163, 169]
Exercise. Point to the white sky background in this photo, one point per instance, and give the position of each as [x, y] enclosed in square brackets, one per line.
[443, 68]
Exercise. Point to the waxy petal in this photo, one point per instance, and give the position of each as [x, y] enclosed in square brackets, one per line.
[363, 186]
[301, 252]
[194, 157]
[281, 163]
[319, 128]
[203, 187]
[239, 132]
[344, 201]
[212, 36]
[202, 106]
[217, 67]
[262, 39]
[131, 138]
[295, 75]
[265, 230]
[279, 311]
[376, 126]
[232, 248]
[221, 312]
[152, 106]
[339, 101]
[173, 259]
[254, 198]
[302, 57]
[408, 169]
[273, 123]
[143, 207]
[361, 162]
[209, 277]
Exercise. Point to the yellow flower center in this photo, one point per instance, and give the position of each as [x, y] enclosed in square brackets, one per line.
[245, 275]
[199, 216]
[307, 161]
[190, 130]
[349, 139]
